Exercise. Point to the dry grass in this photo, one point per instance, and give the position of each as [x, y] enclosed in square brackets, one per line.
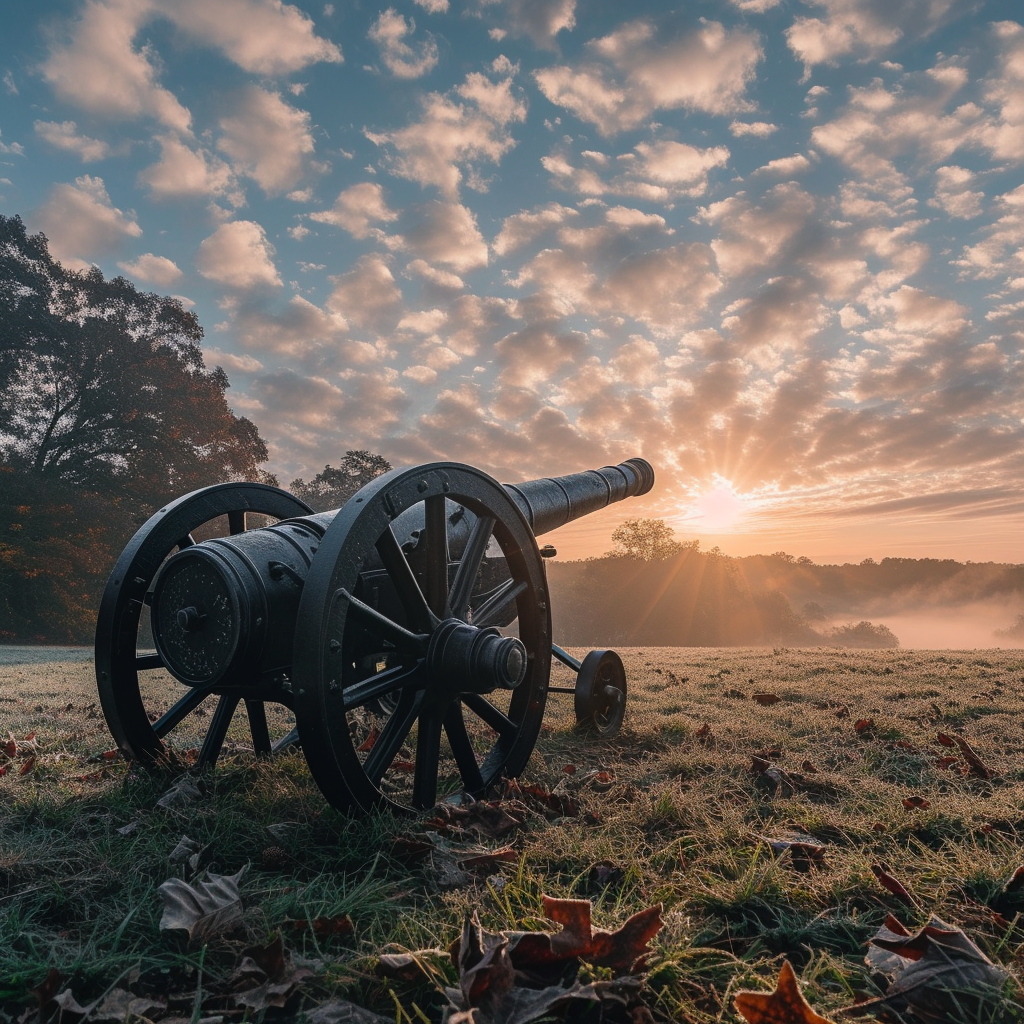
[680, 815]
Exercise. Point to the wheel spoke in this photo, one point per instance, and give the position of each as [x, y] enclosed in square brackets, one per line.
[476, 545]
[496, 602]
[485, 710]
[436, 530]
[257, 713]
[147, 661]
[462, 748]
[399, 636]
[420, 616]
[236, 521]
[218, 730]
[186, 541]
[428, 756]
[387, 681]
[174, 714]
[392, 736]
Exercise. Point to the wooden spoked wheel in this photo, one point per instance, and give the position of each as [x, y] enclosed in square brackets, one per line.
[143, 718]
[405, 691]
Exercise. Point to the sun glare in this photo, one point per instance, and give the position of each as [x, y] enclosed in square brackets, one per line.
[718, 510]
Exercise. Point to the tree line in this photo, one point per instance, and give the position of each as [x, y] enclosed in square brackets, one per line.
[107, 410]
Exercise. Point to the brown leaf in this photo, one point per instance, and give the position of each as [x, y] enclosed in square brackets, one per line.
[808, 766]
[407, 966]
[1015, 881]
[569, 769]
[341, 1011]
[11, 746]
[946, 741]
[843, 712]
[765, 699]
[410, 850]
[946, 762]
[704, 732]
[939, 975]
[487, 862]
[881, 872]
[805, 852]
[786, 1005]
[370, 740]
[27, 765]
[48, 987]
[916, 803]
[202, 910]
[978, 767]
[863, 725]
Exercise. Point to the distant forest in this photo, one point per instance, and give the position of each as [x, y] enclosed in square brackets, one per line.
[693, 598]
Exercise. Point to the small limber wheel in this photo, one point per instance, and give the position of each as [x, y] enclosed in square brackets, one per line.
[601, 693]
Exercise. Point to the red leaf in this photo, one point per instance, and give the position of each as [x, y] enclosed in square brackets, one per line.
[808, 766]
[916, 803]
[978, 767]
[404, 766]
[946, 762]
[569, 769]
[704, 732]
[946, 741]
[881, 872]
[11, 747]
[862, 725]
[489, 861]
[766, 699]
[368, 743]
[28, 765]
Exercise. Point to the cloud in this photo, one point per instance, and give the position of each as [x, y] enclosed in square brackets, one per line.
[759, 129]
[155, 269]
[434, 6]
[451, 137]
[659, 171]
[267, 139]
[865, 28]
[95, 66]
[540, 20]
[183, 173]
[64, 135]
[953, 193]
[80, 221]
[266, 37]
[1005, 136]
[522, 228]
[389, 32]
[367, 295]
[239, 255]
[231, 361]
[447, 233]
[356, 208]
[786, 166]
[1001, 248]
[635, 71]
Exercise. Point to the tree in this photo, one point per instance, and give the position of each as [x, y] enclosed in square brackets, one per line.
[331, 487]
[647, 540]
[104, 387]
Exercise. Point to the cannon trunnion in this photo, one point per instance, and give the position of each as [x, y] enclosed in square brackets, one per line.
[409, 632]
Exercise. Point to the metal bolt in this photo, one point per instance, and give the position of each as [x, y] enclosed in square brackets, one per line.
[335, 645]
[422, 486]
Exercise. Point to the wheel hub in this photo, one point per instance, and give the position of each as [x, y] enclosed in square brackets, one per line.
[464, 659]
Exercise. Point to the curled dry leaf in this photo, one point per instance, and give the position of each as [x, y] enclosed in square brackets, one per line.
[946, 741]
[204, 909]
[937, 974]
[182, 792]
[809, 767]
[863, 725]
[786, 1005]
[487, 863]
[766, 699]
[322, 927]
[1015, 882]
[341, 1011]
[27, 765]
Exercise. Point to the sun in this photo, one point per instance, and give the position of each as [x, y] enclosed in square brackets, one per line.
[719, 509]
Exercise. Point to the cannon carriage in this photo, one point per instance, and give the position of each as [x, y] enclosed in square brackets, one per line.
[409, 632]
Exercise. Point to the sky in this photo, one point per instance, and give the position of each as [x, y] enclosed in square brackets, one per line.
[776, 247]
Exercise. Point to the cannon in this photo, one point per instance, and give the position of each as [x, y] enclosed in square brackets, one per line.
[408, 632]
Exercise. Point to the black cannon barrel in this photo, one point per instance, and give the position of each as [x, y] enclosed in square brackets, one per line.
[554, 501]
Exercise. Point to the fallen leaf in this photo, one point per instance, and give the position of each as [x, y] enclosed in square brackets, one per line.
[183, 791]
[887, 881]
[11, 746]
[916, 803]
[946, 741]
[808, 766]
[805, 852]
[863, 725]
[184, 850]
[408, 966]
[786, 1005]
[27, 765]
[569, 769]
[1015, 881]
[266, 977]
[765, 699]
[341, 1011]
[487, 862]
[204, 909]
[370, 740]
[938, 975]
[946, 762]
[978, 767]
[704, 732]
[409, 849]
[605, 873]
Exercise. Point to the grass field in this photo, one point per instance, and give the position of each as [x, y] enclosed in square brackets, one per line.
[694, 806]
